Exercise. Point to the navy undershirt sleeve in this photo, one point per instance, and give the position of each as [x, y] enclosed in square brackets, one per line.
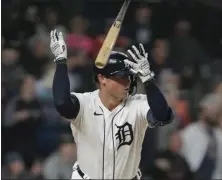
[68, 106]
[159, 109]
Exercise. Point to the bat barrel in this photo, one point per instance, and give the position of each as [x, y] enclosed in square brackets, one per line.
[110, 40]
[99, 65]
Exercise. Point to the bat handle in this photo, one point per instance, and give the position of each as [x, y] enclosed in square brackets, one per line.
[123, 9]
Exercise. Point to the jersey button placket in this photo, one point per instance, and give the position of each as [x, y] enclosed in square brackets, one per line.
[109, 150]
[109, 164]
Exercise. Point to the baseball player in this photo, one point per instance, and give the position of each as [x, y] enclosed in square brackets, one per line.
[109, 124]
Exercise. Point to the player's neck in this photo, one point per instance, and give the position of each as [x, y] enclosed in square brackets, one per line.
[108, 101]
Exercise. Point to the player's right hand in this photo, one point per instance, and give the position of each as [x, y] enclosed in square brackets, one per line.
[58, 46]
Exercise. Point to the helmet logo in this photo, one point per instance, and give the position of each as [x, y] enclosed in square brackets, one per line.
[112, 61]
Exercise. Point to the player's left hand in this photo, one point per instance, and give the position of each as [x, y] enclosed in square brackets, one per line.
[141, 66]
[58, 46]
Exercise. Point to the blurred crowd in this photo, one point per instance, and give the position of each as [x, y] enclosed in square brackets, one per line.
[37, 143]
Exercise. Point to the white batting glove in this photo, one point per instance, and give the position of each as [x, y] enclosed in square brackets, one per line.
[58, 46]
[141, 67]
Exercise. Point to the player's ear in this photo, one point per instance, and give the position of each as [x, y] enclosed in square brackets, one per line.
[101, 79]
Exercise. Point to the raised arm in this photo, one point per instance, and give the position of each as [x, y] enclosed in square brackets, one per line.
[68, 106]
[160, 113]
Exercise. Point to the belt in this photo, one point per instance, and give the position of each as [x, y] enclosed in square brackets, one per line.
[82, 174]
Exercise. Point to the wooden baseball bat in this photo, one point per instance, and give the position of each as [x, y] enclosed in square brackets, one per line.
[111, 37]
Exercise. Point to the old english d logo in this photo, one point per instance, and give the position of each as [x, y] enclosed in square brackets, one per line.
[124, 134]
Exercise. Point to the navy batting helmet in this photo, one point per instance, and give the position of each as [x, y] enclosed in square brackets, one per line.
[116, 67]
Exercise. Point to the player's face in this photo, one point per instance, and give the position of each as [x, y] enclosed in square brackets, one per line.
[118, 87]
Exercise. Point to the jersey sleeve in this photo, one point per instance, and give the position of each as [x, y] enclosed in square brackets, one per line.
[82, 97]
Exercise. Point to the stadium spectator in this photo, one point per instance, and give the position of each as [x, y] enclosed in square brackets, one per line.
[169, 164]
[202, 140]
[78, 38]
[59, 164]
[14, 167]
[22, 117]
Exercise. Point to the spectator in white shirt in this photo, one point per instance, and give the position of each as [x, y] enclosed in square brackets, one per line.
[202, 140]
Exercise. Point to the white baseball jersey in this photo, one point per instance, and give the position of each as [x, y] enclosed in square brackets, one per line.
[109, 143]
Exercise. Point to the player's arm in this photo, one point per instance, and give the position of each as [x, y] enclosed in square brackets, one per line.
[160, 113]
[68, 106]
